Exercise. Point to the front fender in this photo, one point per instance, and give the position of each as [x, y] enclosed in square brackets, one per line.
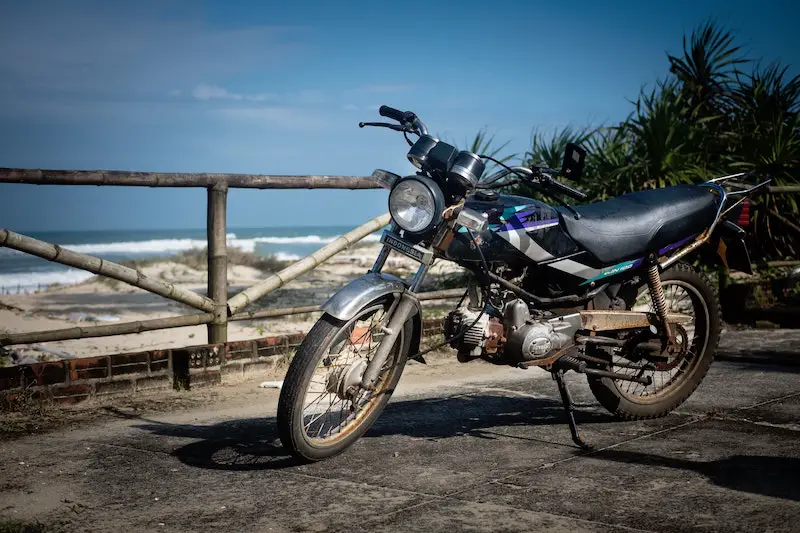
[354, 296]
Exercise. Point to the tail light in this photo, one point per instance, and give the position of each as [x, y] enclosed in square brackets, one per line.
[744, 214]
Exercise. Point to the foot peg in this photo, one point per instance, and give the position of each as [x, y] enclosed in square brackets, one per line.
[569, 408]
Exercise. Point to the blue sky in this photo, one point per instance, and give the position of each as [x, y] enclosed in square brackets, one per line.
[279, 88]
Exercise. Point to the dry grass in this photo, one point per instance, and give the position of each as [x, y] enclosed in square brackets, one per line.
[198, 260]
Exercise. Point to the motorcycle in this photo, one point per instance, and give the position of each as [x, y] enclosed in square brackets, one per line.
[602, 289]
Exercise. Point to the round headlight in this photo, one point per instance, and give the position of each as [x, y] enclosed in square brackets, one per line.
[416, 203]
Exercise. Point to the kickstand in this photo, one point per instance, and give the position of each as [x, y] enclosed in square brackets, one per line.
[569, 407]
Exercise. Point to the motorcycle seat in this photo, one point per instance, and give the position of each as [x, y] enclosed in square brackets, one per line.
[634, 224]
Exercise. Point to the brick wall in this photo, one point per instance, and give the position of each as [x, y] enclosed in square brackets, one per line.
[74, 380]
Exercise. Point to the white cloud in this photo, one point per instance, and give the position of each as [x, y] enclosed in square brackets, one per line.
[204, 91]
[83, 49]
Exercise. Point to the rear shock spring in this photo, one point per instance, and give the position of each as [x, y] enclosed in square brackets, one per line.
[657, 292]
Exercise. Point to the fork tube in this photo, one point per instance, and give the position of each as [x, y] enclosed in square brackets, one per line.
[384, 254]
[381, 260]
[405, 309]
[419, 277]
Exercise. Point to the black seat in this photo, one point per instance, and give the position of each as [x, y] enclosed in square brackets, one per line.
[634, 224]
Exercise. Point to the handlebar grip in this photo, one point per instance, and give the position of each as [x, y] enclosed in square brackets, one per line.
[392, 113]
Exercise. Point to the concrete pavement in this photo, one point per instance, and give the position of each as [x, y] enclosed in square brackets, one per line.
[461, 448]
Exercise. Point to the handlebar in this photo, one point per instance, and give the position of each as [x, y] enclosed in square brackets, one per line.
[404, 118]
[392, 113]
[566, 189]
[539, 176]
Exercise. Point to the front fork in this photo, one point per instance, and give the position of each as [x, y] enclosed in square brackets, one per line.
[398, 314]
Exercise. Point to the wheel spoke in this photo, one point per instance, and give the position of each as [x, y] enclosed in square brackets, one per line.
[326, 414]
[680, 299]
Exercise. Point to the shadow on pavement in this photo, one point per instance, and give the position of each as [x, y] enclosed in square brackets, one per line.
[254, 444]
[757, 474]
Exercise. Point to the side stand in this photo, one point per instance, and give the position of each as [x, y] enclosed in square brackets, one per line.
[569, 408]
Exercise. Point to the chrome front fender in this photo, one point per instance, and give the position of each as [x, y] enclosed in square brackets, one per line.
[354, 296]
[358, 293]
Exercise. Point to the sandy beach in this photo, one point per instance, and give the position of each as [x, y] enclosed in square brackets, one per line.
[103, 301]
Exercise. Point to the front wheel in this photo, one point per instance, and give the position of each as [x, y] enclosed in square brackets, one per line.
[687, 291]
[322, 410]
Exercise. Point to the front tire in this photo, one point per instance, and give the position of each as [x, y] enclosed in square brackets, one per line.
[334, 346]
[638, 402]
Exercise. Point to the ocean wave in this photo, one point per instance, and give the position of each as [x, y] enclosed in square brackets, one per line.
[31, 281]
[156, 246]
[163, 246]
[283, 256]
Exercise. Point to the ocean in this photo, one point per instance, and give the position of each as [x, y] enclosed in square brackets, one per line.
[21, 272]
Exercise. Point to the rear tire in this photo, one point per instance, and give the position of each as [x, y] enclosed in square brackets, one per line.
[708, 321]
[292, 424]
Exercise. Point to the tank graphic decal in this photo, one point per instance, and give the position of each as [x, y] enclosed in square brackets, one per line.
[576, 269]
[520, 240]
[524, 220]
[515, 223]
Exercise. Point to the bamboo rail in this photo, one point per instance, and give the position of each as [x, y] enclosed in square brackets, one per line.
[783, 263]
[87, 332]
[164, 179]
[78, 332]
[53, 252]
[287, 311]
[253, 293]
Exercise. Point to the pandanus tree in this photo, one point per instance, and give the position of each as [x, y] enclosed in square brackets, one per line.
[707, 117]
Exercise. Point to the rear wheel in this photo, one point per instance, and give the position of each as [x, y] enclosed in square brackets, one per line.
[687, 291]
[322, 410]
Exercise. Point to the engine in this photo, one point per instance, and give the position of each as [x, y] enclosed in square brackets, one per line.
[517, 337]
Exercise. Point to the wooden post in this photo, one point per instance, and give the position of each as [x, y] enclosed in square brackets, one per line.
[217, 262]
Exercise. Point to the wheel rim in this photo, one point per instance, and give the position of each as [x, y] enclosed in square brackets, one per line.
[327, 416]
[683, 298]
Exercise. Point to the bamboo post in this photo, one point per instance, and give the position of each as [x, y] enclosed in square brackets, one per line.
[106, 330]
[217, 262]
[95, 265]
[253, 293]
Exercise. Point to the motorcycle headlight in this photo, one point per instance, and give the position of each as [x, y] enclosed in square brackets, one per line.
[416, 204]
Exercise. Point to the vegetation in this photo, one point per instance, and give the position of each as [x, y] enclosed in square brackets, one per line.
[717, 112]
[198, 260]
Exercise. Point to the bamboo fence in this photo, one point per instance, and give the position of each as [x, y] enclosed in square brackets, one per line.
[217, 309]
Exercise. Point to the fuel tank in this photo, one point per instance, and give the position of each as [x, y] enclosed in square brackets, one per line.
[520, 231]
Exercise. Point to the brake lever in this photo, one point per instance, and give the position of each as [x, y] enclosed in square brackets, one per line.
[395, 127]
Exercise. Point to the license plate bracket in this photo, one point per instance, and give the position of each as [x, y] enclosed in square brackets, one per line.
[414, 251]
